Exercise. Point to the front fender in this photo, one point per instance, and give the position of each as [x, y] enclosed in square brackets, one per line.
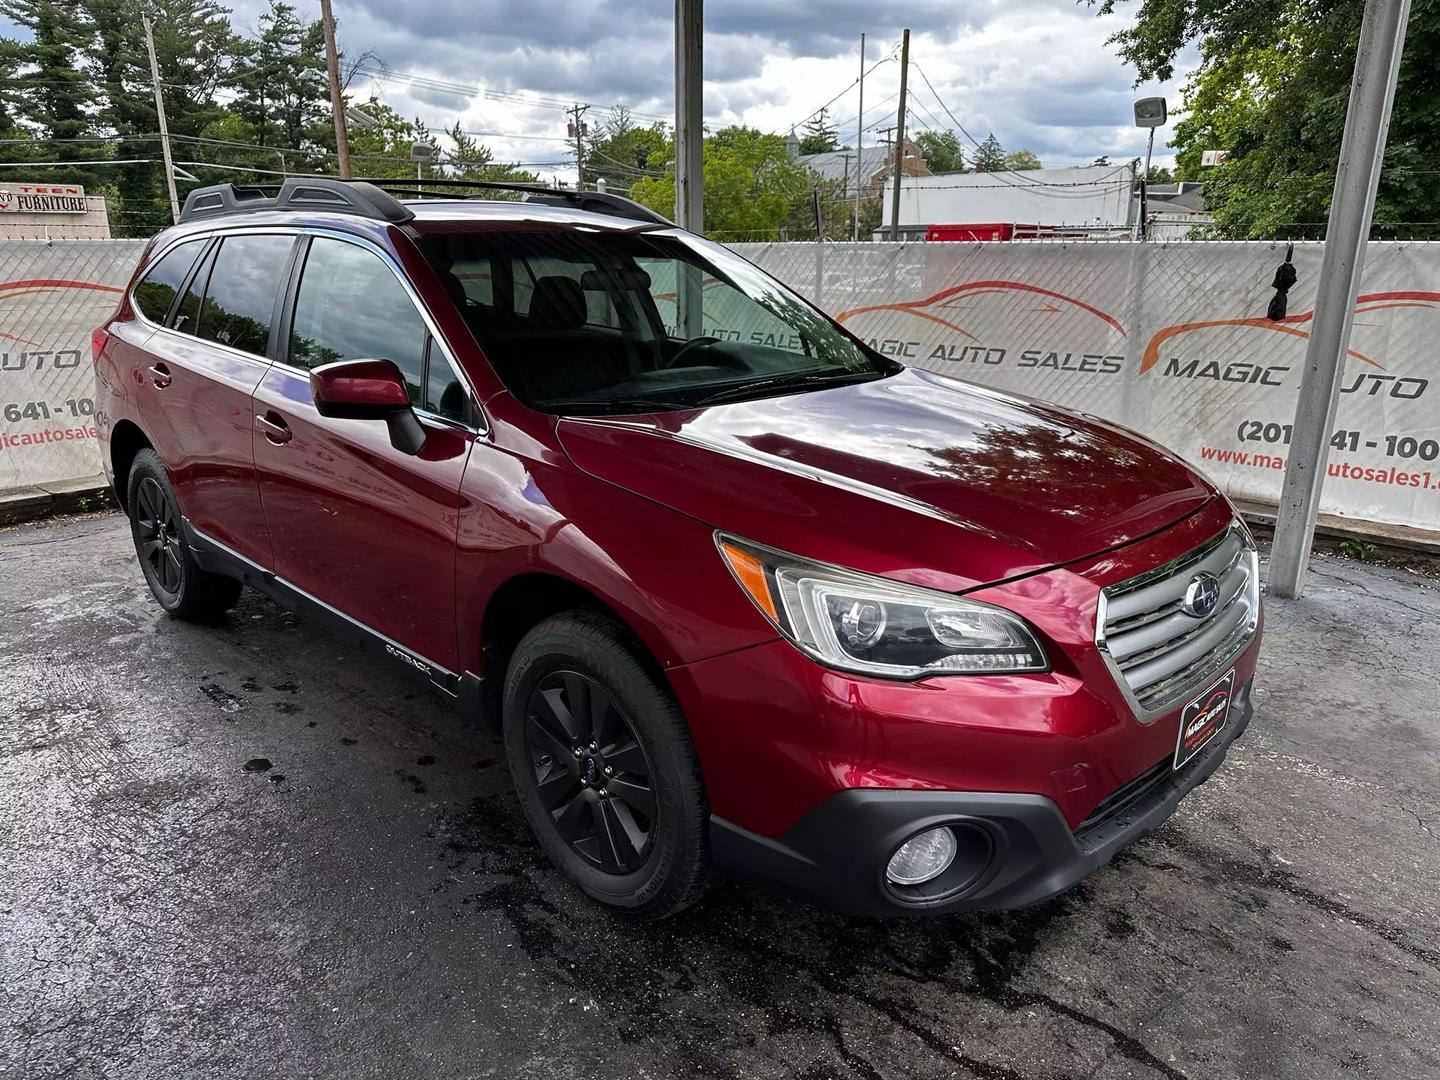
[656, 568]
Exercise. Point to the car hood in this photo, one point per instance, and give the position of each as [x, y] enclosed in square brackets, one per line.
[915, 476]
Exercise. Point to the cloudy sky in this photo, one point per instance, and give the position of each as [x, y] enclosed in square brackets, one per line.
[1035, 72]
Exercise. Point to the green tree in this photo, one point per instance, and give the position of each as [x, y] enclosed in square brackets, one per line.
[990, 155]
[818, 134]
[941, 150]
[52, 97]
[279, 79]
[1020, 160]
[754, 190]
[383, 150]
[473, 160]
[622, 153]
[193, 49]
[1272, 89]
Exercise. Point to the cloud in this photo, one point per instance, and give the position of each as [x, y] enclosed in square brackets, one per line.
[1037, 73]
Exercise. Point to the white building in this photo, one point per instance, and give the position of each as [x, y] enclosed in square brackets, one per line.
[1091, 197]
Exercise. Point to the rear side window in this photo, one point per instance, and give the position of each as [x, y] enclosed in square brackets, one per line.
[351, 307]
[240, 299]
[157, 289]
[188, 313]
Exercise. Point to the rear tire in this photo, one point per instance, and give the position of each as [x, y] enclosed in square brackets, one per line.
[176, 580]
[604, 767]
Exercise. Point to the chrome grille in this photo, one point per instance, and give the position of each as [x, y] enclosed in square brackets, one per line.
[1157, 651]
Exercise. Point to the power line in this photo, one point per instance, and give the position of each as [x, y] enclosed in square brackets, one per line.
[74, 164]
[471, 90]
[854, 83]
[1028, 183]
[879, 106]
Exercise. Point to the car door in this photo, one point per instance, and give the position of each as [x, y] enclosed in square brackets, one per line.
[202, 366]
[368, 530]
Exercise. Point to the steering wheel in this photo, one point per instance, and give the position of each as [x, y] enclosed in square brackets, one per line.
[693, 343]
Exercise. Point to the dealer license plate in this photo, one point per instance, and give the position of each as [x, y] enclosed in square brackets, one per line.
[1202, 719]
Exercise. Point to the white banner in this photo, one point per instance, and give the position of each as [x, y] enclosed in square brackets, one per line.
[1169, 339]
[53, 294]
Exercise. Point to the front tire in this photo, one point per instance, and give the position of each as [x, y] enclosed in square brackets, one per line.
[604, 767]
[175, 578]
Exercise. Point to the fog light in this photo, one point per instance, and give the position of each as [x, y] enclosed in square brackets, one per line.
[922, 857]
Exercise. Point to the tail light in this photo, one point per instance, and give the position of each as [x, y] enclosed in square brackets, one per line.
[99, 338]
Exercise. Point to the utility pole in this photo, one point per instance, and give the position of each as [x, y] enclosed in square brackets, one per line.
[689, 160]
[337, 101]
[577, 129]
[900, 136]
[1362, 148]
[859, 140]
[689, 155]
[164, 127]
[1145, 188]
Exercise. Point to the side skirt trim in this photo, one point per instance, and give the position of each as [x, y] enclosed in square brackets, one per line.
[218, 558]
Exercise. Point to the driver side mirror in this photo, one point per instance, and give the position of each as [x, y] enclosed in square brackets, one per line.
[368, 390]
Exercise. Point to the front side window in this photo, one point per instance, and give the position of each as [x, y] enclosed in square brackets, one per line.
[445, 394]
[157, 289]
[350, 306]
[590, 322]
[240, 297]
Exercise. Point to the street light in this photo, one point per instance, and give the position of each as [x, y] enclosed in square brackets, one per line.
[422, 153]
[1149, 113]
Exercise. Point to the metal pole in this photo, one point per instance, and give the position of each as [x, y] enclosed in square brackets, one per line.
[1367, 121]
[859, 140]
[900, 137]
[689, 154]
[337, 101]
[689, 160]
[164, 128]
[577, 111]
[1145, 188]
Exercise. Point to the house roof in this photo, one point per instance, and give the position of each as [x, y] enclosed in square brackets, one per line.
[833, 166]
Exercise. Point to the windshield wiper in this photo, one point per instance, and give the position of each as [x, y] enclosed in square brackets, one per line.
[789, 381]
[587, 406]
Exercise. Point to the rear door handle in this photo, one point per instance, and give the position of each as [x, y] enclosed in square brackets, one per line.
[274, 428]
[160, 376]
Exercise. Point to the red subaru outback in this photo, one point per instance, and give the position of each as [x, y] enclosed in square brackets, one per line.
[738, 591]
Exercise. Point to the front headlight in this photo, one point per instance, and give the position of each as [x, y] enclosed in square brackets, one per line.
[876, 626]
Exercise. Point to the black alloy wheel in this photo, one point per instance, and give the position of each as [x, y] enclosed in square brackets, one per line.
[182, 586]
[590, 771]
[158, 539]
[604, 765]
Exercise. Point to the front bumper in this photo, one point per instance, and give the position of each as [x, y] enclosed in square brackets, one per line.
[1015, 849]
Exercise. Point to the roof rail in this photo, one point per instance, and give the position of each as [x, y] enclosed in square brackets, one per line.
[600, 202]
[298, 193]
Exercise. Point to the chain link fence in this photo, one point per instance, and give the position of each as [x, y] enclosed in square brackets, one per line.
[1173, 340]
[54, 294]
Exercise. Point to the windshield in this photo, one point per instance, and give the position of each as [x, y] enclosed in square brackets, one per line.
[601, 322]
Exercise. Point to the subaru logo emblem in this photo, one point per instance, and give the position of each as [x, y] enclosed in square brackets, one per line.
[1201, 595]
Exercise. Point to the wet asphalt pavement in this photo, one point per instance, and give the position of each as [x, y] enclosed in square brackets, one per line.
[247, 851]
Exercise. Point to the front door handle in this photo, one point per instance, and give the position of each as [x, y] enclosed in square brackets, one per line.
[160, 376]
[274, 428]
